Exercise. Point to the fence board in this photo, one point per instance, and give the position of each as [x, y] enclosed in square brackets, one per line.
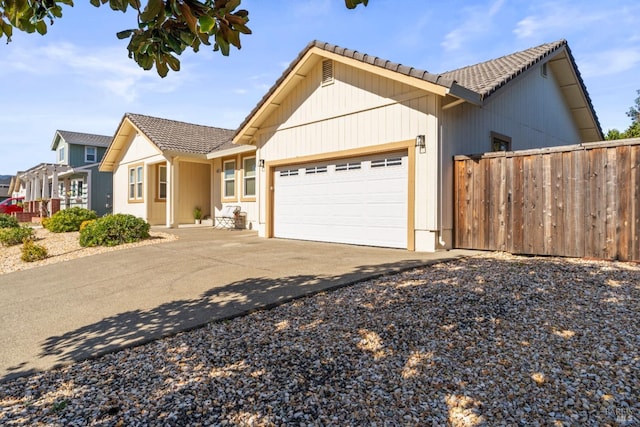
[635, 185]
[557, 208]
[584, 201]
[624, 205]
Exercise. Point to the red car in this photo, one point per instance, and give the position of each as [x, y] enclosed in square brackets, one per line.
[13, 204]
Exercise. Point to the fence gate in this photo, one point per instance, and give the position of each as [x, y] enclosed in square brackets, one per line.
[574, 201]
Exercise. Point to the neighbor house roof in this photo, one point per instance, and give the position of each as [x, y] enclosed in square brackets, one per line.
[80, 138]
[175, 136]
[473, 83]
[169, 136]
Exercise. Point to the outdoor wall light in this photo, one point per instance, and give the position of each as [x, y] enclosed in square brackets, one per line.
[421, 143]
[261, 163]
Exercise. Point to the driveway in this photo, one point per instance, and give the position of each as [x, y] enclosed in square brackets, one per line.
[83, 308]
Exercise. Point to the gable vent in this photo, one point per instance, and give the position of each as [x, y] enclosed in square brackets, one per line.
[327, 72]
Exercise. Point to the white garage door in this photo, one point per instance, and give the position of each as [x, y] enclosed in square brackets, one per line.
[360, 201]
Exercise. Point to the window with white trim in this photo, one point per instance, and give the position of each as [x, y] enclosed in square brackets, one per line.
[61, 157]
[229, 179]
[348, 166]
[289, 172]
[136, 182]
[316, 169]
[90, 154]
[162, 182]
[249, 177]
[394, 161]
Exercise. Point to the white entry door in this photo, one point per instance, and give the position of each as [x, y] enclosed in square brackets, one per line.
[360, 201]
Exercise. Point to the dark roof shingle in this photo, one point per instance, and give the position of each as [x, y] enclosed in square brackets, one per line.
[172, 135]
[487, 77]
[80, 138]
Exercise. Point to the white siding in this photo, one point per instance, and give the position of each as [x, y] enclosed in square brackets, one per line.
[139, 150]
[358, 110]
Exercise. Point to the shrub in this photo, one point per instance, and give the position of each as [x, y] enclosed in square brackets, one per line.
[8, 221]
[113, 230]
[85, 223]
[33, 252]
[15, 235]
[69, 219]
[45, 222]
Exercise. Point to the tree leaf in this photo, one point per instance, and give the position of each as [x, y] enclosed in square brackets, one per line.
[188, 17]
[152, 10]
[206, 23]
[41, 28]
[124, 34]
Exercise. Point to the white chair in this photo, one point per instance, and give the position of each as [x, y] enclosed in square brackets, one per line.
[227, 217]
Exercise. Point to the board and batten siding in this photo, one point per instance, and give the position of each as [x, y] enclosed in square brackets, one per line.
[356, 111]
[139, 150]
[531, 110]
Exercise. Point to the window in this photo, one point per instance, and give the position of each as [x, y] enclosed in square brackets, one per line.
[249, 177]
[90, 154]
[136, 181]
[290, 172]
[61, 154]
[394, 161]
[229, 179]
[348, 166]
[162, 182]
[316, 169]
[500, 142]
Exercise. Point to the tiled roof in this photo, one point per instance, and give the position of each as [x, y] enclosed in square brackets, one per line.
[85, 138]
[171, 135]
[481, 79]
[487, 77]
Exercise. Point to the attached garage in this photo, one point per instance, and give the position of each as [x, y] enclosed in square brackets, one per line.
[356, 200]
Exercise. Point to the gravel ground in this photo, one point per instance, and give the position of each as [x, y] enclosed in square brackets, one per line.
[64, 247]
[489, 340]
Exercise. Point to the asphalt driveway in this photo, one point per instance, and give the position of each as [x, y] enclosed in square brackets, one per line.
[74, 310]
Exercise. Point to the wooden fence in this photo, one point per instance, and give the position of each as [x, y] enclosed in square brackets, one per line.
[576, 201]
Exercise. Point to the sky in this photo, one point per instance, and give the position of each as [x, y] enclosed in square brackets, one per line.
[78, 76]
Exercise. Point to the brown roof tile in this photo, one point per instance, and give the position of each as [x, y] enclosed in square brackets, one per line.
[487, 77]
[171, 135]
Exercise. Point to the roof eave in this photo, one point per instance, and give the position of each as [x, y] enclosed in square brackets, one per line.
[299, 69]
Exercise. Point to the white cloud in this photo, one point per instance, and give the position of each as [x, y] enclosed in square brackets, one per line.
[108, 69]
[477, 21]
[610, 62]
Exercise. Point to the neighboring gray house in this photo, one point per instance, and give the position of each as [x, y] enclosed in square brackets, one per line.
[74, 179]
[5, 183]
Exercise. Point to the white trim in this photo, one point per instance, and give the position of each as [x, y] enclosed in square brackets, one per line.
[231, 151]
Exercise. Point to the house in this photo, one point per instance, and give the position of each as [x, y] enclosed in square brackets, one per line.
[351, 148]
[5, 184]
[73, 180]
[356, 149]
[163, 169]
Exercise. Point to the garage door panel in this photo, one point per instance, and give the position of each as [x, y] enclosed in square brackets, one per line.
[348, 202]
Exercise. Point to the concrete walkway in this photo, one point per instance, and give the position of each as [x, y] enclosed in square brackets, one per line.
[74, 310]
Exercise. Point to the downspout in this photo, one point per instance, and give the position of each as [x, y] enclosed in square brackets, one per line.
[441, 240]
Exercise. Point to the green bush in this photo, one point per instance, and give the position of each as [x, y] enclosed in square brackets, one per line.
[113, 230]
[85, 223]
[15, 235]
[33, 252]
[69, 219]
[44, 222]
[8, 221]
